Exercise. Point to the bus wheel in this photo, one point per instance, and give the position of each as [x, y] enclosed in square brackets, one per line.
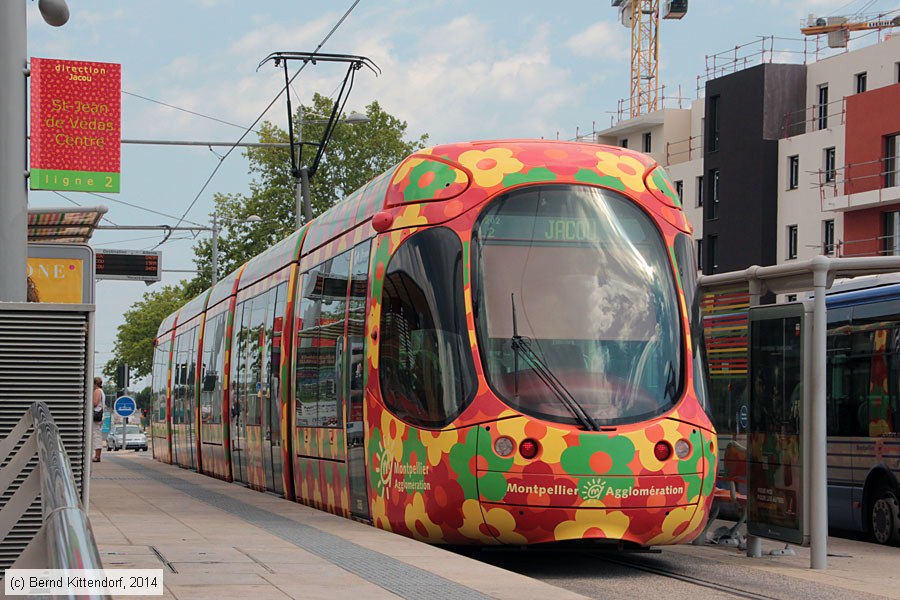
[885, 519]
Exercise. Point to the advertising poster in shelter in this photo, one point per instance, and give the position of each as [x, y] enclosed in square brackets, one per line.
[775, 466]
[60, 273]
[76, 113]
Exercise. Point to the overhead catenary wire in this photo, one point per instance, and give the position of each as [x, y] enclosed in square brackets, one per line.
[258, 119]
[191, 112]
[144, 208]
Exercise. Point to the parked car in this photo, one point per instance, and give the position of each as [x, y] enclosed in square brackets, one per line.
[135, 439]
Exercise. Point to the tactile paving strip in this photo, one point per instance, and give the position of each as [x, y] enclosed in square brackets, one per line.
[384, 571]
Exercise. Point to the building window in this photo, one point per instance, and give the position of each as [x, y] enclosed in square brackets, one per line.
[700, 191]
[891, 160]
[861, 82]
[792, 241]
[712, 207]
[712, 258]
[648, 142]
[700, 255]
[823, 106]
[713, 124]
[828, 236]
[624, 142]
[679, 189]
[829, 165]
[793, 172]
[892, 233]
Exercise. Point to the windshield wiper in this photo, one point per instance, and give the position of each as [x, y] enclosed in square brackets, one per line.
[540, 368]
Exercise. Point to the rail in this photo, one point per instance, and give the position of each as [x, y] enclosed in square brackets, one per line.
[65, 540]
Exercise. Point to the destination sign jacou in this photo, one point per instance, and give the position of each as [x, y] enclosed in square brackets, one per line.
[76, 119]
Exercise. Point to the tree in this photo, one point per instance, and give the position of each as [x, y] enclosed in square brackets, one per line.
[134, 339]
[354, 155]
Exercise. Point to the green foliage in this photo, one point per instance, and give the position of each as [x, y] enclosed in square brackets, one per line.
[354, 154]
[134, 340]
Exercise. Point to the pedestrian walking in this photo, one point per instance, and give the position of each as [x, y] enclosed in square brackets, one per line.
[97, 425]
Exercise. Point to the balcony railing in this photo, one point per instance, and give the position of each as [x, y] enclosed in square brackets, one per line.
[684, 150]
[855, 185]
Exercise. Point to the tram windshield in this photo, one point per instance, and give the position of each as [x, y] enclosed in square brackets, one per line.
[583, 276]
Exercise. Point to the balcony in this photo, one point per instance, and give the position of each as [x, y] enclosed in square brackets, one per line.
[859, 185]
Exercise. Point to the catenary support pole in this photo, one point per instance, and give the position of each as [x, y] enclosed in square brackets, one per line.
[304, 192]
[13, 154]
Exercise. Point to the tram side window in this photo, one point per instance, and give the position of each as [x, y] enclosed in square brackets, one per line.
[426, 370]
[160, 380]
[257, 356]
[180, 378]
[274, 328]
[240, 348]
[213, 365]
[320, 343]
[356, 313]
[185, 373]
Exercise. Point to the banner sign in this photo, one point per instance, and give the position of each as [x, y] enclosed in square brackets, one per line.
[76, 114]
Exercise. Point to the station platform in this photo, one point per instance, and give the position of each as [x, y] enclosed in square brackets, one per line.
[219, 540]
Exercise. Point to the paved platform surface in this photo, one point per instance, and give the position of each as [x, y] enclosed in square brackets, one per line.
[218, 540]
[859, 568]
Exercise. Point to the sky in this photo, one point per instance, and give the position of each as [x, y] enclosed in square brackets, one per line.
[455, 69]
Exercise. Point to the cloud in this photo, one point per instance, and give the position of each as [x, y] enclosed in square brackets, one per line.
[602, 40]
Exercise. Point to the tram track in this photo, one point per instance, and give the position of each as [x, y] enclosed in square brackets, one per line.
[621, 560]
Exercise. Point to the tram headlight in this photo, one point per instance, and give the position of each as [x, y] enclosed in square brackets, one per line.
[504, 446]
[682, 448]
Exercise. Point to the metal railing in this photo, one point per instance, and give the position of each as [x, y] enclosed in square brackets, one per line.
[65, 539]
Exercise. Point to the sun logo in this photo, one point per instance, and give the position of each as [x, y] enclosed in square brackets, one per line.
[385, 468]
[593, 489]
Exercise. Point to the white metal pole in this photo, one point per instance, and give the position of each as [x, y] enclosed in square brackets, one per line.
[13, 152]
[818, 502]
[755, 285]
[214, 261]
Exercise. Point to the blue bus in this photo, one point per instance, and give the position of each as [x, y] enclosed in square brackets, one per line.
[863, 396]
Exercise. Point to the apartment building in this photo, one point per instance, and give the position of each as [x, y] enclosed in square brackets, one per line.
[780, 162]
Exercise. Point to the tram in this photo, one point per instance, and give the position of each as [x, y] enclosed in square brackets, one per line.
[494, 342]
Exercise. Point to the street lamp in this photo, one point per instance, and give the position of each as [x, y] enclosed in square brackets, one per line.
[304, 203]
[214, 260]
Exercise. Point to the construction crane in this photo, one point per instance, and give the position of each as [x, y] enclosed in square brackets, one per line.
[838, 28]
[642, 17]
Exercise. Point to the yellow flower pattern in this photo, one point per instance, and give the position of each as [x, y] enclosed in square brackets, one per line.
[489, 166]
[623, 167]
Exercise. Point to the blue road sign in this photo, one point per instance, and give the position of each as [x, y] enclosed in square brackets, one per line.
[125, 406]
